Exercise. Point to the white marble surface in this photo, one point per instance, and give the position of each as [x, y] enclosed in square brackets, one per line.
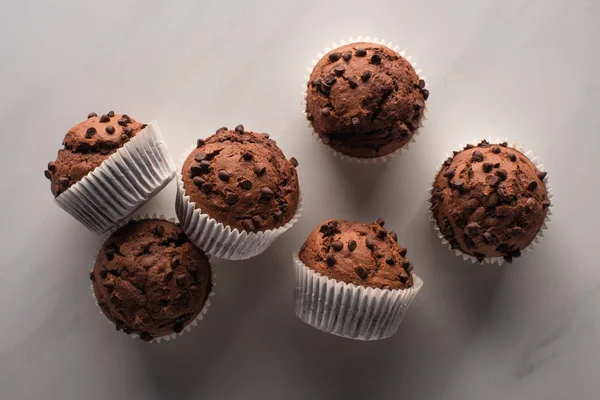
[527, 71]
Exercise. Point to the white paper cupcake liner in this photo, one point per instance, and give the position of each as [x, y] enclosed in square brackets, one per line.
[540, 234]
[347, 310]
[198, 317]
[122, 183]
[343, 42]
[216, 239]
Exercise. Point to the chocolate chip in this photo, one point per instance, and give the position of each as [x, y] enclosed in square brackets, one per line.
[109, 285]
[124, 137]
[180, 279]
[497, 165]
[516, 253]
[366, 75]
[333, 225]
[512, 157]
[200, 142]
[501, 173]
[337, 245]
[407, 265]
[394, 236]
[223, 175]
[360, 52]
[546, 204]
[325, 229]
[421, 84]
[333, 57]
[127, 130]
[248, 225]
[92, 114]
[277, 215]
[403, 252]
[361, 272]
[355, 121]
[330, 260]
[48, 174]
[247, 156]
[380, 221]
[257, 221]
[472, 229]
[90, 132]
[339, 70]
[64, 182]
[119, 325]
[351, 245]
[458, 183]
[294, 161]
[231, 198]
[110, 129]
[51, 166]
[449, 173]
[206, 187]
[221, 129]
[330, 80]
[496, 150]
[487, 167]
[352, 82]
[531, 204]
[502, 248]
[160, 230]
[370, 243]
[169, 275]
[266, 193]
[114, 299]
[390, 260]
[175, 261]
[239, 128]
[425, 94]
[508, 259]
[347, 56]
[516, 231]
[122, 122]
[111, 113]
[381, 234]
[178, 327]
[144, 126]
[480, 257]
[195, 290]
[199, 156]
[126, 118]
[205, 165]
[488, 237]
[532, 185]
[196, 169]
[540, 174]
[477, 156]
[246, 184]
[260, 171]
[375, 59]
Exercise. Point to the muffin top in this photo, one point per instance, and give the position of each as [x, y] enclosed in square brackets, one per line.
[242, 180]
[150, 280]
[489, 200]
[365, 100]
[358, 253]
[87, 145]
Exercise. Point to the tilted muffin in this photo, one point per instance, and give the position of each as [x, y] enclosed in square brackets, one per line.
[87, 145]
[365, 100]
[358, 253]
[242, 180]
[150, 280]
[489, 200]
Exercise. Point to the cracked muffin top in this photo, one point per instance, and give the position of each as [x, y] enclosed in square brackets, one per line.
[358, 253]
[365, 100]
[242, 180]
[87, 145]
[489, 200]
[150, 280]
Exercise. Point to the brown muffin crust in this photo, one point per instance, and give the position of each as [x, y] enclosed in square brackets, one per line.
[87, 145]
[489, 200]
[150, 280]
[365, 100]
[358, 253]
[242, 180]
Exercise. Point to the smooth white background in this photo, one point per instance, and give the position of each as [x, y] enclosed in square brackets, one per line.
[527, 71]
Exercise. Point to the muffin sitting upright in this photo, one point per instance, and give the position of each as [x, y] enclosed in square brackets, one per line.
[489, 201]
[365, 100]
[150, 280]
[237, 193]
[354, 280]
[99, 185]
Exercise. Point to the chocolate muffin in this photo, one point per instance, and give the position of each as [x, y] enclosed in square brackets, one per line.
[362, 254]
[365, 100]
[489, 200]
[242, 180]
[87, 145]
[150, 280]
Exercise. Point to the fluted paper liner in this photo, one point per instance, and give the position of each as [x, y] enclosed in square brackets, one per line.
[343, 42]
[216, 239]
[198, 317]
[122, 183]
[540, 234]
[355, 312]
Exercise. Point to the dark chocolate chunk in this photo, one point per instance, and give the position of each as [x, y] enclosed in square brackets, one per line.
[266, 193]
[206, 187]
[347, 56]
[247, 156]
[180, 279]
[92, 114]
[221, 129]
[109, 285]
[366, 75]
[223, 175]
[352, 82]
[370, 243]
[239, 128]
[246, 184]
[496, 150]
[421, 84]
[362, 272]
[90, 132]
[339, 70]
[360, 52]
[326, 112]
[64, 182]
[333, 57]
[200, 142]
[122, 122]
[380, 221]
[540, 174]
[198, 181]
[51, 166]
[493, 180]
[104, 118]
[257, 221]
[477, 156]
[394, 236]
[337, 245]
[146, 337]
[111, 113]
[178, 327]
[532, 185]
[449, 173]
[425, 94]
[375, 59]
[231, 198]
[330, 260]
[487, 167]
[352, 245]
[248, 225]
[294, 161]
[390, 260]
[127, 130]
[48, 174]
[110, 129]
[260, 171]
[472, 229]
[199, 156]
[175, 261]
[381, 234]
[277, 215]
[403, 252]
[512, 157]
[501, 173]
